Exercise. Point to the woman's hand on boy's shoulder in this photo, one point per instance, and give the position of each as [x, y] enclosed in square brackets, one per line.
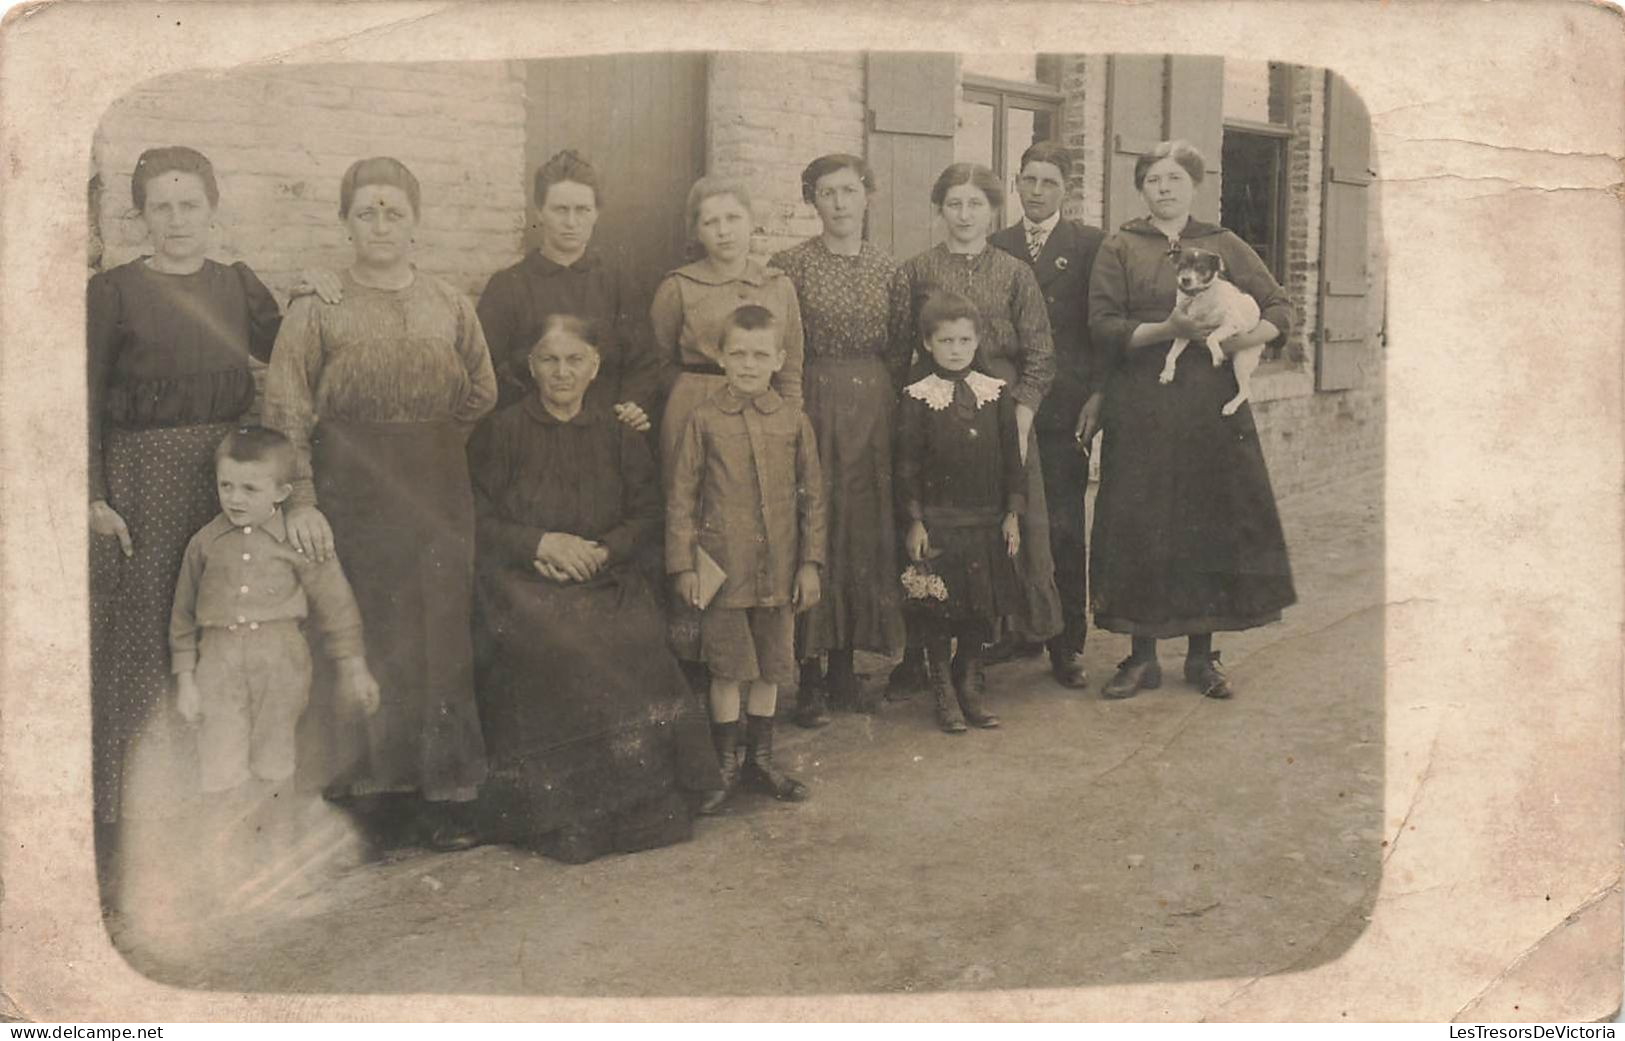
[310, 533]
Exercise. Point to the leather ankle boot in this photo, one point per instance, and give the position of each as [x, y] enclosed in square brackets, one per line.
[948, 715]
[759, 774]
[970, 680]
[725, 739]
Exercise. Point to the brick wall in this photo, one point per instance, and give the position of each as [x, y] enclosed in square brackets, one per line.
[1304, 162]
[768, 116]
[280, 138]
[1320, 438]
[1083, 131]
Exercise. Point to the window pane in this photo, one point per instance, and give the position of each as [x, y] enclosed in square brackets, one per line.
[1017, 139]
[1253, 179]
[973, 140]
[1020, 67]
[1247, 90]
[1249, 203]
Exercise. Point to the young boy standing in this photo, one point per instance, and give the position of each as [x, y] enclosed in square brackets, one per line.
[746, 489]
[242, 668]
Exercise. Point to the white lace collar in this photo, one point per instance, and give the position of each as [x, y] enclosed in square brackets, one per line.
[938, 393]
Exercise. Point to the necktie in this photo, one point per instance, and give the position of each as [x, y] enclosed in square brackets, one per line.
[1035, 241]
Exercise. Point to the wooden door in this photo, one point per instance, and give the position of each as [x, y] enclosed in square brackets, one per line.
[640, 120]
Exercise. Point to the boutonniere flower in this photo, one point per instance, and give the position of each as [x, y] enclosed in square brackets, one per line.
[1060, 263]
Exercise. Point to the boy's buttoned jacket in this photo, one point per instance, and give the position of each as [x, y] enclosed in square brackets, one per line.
[746, 486]
[241, 578]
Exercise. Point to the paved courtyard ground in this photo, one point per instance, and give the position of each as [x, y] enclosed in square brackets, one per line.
[1164, 838]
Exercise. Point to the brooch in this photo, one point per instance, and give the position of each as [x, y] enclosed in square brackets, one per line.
[1060, 263]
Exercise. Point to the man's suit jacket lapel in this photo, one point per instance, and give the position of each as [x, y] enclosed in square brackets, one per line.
[1058, 244]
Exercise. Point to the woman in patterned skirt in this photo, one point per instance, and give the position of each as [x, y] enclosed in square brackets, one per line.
[851, 315]
[1015, 346]
[378, 394]
[170, 338]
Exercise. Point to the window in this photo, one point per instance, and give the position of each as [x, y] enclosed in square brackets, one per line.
[1253, 183]
[1000, 117]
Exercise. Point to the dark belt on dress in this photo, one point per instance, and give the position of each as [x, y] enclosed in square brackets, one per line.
[702, 368]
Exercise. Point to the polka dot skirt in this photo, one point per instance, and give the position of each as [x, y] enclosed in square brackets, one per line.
[162, 483]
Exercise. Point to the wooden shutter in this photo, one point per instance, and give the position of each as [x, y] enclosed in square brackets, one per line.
[1153, 98]
[1136, 84]
[1344, 250]
[911, 138]
[1196, 114]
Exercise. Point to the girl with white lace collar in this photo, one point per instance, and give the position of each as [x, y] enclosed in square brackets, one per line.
[961, 490]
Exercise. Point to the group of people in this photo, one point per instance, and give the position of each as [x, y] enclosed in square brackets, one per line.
[554, 546]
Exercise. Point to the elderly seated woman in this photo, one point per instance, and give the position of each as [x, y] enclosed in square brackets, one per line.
[596, 744]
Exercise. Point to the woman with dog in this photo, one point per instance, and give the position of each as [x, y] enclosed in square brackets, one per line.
[1187, 540]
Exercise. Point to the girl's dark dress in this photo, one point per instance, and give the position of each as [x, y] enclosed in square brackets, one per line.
[1186, 535]
[959, 470]
[1015, 345]
[169, 375]
[588, 721]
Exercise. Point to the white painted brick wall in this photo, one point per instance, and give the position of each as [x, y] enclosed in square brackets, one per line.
[768, 116]
[281, 137]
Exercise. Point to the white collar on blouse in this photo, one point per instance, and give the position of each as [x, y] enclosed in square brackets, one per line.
[938, 393]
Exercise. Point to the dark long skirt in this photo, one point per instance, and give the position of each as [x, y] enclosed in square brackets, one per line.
[162, 483]
[1186, 535]
[850, 405]
[588, 719]
[1040, 616]
[399, 501]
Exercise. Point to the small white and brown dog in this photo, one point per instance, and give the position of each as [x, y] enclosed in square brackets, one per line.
[1206, 294]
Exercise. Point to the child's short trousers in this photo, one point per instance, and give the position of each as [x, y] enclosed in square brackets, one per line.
[253, 682]
[750, 643]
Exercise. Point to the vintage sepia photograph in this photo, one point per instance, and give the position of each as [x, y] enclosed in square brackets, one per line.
[540, 511]
[736, 522]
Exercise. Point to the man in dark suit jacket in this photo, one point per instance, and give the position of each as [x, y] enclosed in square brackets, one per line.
[1062, 252]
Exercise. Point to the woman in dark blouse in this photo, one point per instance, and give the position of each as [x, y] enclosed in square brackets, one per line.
[170, 338]
[565, 275]
[1015, 346]
[594, 737]
[1187, 540]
